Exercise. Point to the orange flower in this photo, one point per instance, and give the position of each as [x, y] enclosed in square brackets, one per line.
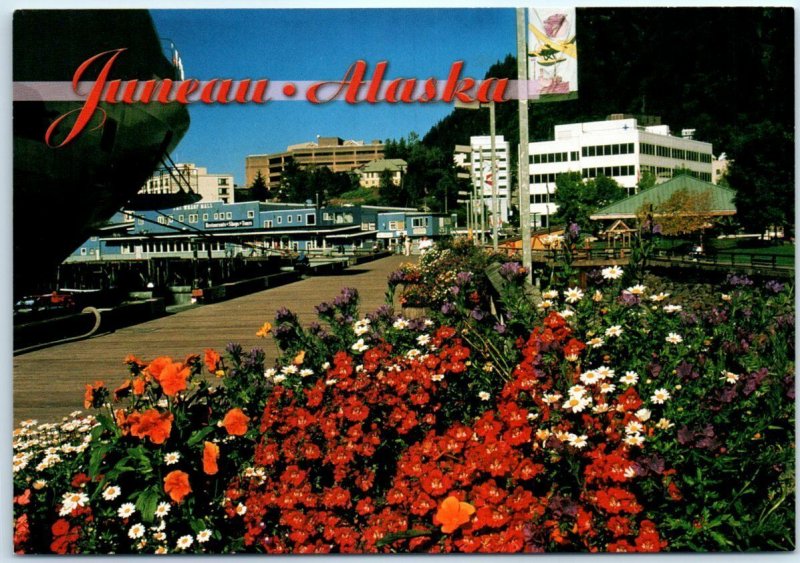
[298, 359]
[122, 420]
[151, 424]
[210, 457]
[235, 422]
[123, 390]
[91, 396]
[139, 385]
[212, 360]
[265, 329]
[157, 365]
[452, 513]
[176, 485]
[173, 378]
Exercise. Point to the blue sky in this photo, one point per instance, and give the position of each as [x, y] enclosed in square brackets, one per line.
[317, 45]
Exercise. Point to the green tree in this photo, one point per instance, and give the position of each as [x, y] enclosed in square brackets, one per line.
[646, 181]
[762, 173]
[578, 199]
[259, 190]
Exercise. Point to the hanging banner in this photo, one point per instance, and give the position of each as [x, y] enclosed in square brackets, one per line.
[553, 54]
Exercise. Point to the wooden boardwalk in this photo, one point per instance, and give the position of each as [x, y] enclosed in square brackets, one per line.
[49, 383]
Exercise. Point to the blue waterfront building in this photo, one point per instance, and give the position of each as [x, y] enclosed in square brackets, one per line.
[249, 228]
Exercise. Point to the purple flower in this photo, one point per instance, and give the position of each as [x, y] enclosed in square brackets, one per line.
[477, 314]
[657, 229]
[512, 271]
[235, 350]
[455, 290]
[753, 381]
[500, 329]
[628, 298]
[284, 314]
[348, 296]
[774, 286]
[324, 308]
[686, 371]
[737, 280]
[448, 308]
[463, 278]
[396, 277]
[384, 312]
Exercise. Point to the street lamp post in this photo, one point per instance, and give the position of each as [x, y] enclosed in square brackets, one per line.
[495, 202]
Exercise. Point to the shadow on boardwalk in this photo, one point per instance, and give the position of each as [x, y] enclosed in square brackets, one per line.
[49, 383]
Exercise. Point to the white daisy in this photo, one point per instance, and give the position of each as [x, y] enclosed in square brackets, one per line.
[171, 458]
[136, 531]
[577, 391]
[566, 313]
[400, 324]
[634, 439]
[659, 297]
[126, 510]
[551, 398]
[674, 338]
[672, 308]
[359, 346]
[573, 295]
[730, 377]
[630, 378]
[241, 509]
[596, 342]
[484, 396]
[112, 492]
[726, 297]
[606, 388]
[437, 377]
[664, 424]
[550, 294]
[289, 370]
[612, 273]
[604, 372]
[542, 434]
[577, 441]
[577, 404]
[306, 372]
[184, 542]
[269, 373]
[545, 304]
[643, 414]
[330, 382]
[204, 536]
[614, 331]
[423, 339]
[637, 289]
[279, 378]
[160, 550]
[162, 509]
[660, 396]
[589, 377]
[598, 296]
[634, 427]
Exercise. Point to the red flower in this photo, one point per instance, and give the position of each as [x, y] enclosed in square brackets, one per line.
[615, 500]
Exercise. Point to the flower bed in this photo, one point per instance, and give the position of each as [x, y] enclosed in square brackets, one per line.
[639, 418]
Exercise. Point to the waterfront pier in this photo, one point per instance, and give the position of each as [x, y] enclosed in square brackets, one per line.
[49, 383]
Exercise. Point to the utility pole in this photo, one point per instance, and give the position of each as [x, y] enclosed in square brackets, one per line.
[524, 164]
[483, 203]
[495, 202]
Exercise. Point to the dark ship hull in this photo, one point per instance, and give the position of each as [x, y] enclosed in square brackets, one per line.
[61, 195]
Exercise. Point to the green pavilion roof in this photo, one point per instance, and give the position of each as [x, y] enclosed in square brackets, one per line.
[721, 200]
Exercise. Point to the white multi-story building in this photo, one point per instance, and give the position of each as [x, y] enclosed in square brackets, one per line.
[618, 148]
[210, 187]
[481, 166]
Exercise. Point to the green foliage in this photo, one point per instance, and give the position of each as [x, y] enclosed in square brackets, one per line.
[315, 184]
[577, 199]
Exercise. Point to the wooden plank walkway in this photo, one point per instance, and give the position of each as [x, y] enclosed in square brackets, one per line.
[49, 383]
